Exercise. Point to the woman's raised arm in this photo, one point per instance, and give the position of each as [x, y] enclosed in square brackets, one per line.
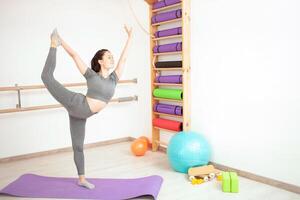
[123, 57]
[82, 67]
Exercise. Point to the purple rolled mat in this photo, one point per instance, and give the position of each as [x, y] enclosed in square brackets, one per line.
[164, 3]
[169, 79]
[168, 109]
[168, 47]
[165, 16]
[168, 32]
[159, 4]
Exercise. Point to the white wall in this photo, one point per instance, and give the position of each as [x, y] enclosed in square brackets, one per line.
[244, 77]
[245, 84]
[87, 26]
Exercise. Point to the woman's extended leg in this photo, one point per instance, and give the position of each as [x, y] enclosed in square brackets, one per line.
[77, 128]
[57, 90]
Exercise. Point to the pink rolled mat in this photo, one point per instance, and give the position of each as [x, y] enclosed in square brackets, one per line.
[169, 79]
[167, 108]
[165, 16]
[168, 32]
[164, 3]
[168, 47]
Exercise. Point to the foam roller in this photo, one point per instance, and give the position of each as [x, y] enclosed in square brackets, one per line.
[169, 79]
[168, 47]
[164, 3]
[165, 16]
[168, 32]
[168, 64]
[167, 124]
[167, 108]
[168, 93]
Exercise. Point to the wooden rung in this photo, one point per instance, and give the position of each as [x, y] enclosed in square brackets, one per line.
[167, 7]
[168, 84]
[169, 69]
[166, 22]
[161, 143]
[163, 129]
[167, 53]
[31, 87]
[169, 115]
[163, 99]
[167, 37]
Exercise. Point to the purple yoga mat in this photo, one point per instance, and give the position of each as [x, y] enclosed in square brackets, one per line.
[169, 79]
[165, 16]
[36, 186]
[168, 109]
[164, 3]
[168, 47]
[168, 32]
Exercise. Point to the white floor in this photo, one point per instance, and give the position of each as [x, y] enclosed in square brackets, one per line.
[116, 161]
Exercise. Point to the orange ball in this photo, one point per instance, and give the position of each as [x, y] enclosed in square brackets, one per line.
[138, 147]
[146, 140]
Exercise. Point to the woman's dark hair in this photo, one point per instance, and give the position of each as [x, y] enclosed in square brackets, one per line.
[98, 56]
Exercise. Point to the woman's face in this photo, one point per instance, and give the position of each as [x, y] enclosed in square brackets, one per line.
[107, 60]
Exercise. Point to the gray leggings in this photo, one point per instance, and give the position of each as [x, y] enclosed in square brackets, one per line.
[76, 105]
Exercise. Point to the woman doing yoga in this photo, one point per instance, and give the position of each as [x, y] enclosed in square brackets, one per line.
[101, 87]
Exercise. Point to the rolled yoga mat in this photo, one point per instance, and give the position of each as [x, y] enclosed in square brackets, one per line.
[169, 79]
[168, 32]
[165, 16]
[164, 3]
[168, 47]
[36, 186]
[168, 93]
[167, 124]
[168, 64]
[167, 108]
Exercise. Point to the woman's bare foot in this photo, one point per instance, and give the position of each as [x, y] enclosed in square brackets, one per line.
[84, 183]
[55, 39]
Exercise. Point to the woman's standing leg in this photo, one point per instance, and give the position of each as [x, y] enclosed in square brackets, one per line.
[77, 128]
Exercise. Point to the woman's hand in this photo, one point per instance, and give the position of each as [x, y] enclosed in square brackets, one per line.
[128, 30]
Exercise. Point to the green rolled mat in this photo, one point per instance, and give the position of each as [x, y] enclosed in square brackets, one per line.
[168, 93]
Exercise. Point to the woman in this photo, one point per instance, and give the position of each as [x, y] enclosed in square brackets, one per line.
[101, 86]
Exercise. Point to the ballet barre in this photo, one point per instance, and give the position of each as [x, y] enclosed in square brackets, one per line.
[125, 99]
[18, 89]
[32, 87]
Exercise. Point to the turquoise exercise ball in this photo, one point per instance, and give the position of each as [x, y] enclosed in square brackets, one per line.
[188, 149]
